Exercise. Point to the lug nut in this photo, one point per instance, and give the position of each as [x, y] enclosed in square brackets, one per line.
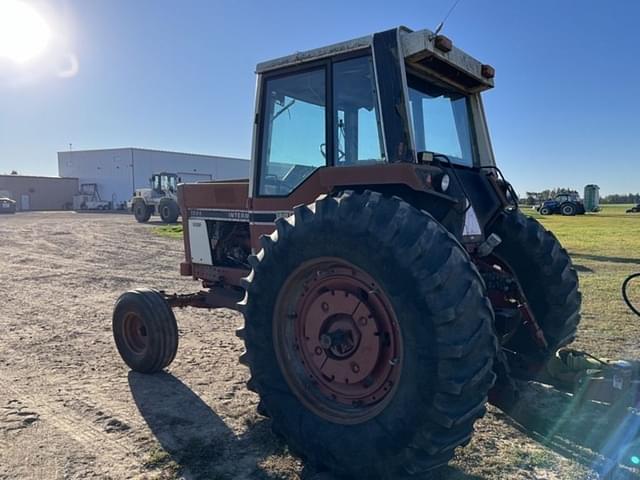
[325, 307]
[362, 321]
[325, 341]
[355, 368]
[318, 351]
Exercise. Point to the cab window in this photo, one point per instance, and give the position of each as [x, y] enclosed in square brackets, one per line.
[169, 183]
[441, 121]
[356, 122]
[293, 131]
[156, 181]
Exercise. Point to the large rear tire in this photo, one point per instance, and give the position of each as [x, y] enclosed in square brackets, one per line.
[145, 330]
[568, 209]
[369, 336]
[141, 211]
[547, 277]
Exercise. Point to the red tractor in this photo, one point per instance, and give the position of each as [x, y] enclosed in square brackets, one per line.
[389, 283]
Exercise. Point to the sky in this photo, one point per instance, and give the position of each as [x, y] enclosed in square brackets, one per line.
[179, 75]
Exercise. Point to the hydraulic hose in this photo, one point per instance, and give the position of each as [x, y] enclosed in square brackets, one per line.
[509, 188]
[458, 181]
[625, 293]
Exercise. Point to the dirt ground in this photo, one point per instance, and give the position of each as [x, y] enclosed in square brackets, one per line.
[70, 409]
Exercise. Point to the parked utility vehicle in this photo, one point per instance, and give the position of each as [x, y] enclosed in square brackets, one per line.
[635, 209]
[386, 275]
[7, 205]
[161, 199]
[89, 198]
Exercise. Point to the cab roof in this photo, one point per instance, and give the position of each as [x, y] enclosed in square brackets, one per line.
[422, 50]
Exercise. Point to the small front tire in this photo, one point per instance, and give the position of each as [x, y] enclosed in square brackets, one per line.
[145, 330]
[547, 277]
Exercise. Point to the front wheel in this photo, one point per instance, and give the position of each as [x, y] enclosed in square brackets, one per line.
[141, 212]
[548, 280]
[145, 330]
[369, 336]
[545, 211]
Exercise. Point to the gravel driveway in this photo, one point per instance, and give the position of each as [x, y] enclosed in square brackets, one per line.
[69, 408]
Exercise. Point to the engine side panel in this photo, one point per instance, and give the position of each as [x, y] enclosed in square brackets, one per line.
[223, 225]
[207, 209]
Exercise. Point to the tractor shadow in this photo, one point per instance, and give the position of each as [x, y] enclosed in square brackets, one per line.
[194, 440]
[601, 258]
[582, 268]
[197, 444]
[603, 438]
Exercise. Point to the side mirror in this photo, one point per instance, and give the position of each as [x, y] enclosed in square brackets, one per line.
[179, 180]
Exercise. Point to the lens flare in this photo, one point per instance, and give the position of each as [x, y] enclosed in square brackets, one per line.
[24, 34]
[635, 460]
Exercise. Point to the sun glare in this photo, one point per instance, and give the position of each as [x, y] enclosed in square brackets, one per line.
[24, 34]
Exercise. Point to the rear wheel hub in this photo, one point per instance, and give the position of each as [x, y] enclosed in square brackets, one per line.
[337, 340]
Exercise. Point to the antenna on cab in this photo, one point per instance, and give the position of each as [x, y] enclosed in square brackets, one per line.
[441, 24]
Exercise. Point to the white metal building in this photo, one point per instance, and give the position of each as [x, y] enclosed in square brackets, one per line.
[119, 171]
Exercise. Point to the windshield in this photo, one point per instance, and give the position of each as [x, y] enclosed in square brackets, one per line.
[169, 183]
[165, 183]
[441, 121]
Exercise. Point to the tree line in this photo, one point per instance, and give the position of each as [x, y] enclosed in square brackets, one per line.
[621, 198]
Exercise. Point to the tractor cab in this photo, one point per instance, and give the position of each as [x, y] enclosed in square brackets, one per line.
[164, 183]
[393, 97]
[399, 111]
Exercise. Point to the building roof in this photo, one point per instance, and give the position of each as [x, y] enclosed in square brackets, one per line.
[153, 150]
[3, 175]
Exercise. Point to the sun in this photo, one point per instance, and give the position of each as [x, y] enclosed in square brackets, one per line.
[24, 34]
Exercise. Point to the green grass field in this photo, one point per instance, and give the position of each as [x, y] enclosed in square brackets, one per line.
[171, 231]
[605, 248]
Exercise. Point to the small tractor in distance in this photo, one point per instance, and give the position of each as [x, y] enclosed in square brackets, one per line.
[161, 199]
[568, 204]
[389, 283]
